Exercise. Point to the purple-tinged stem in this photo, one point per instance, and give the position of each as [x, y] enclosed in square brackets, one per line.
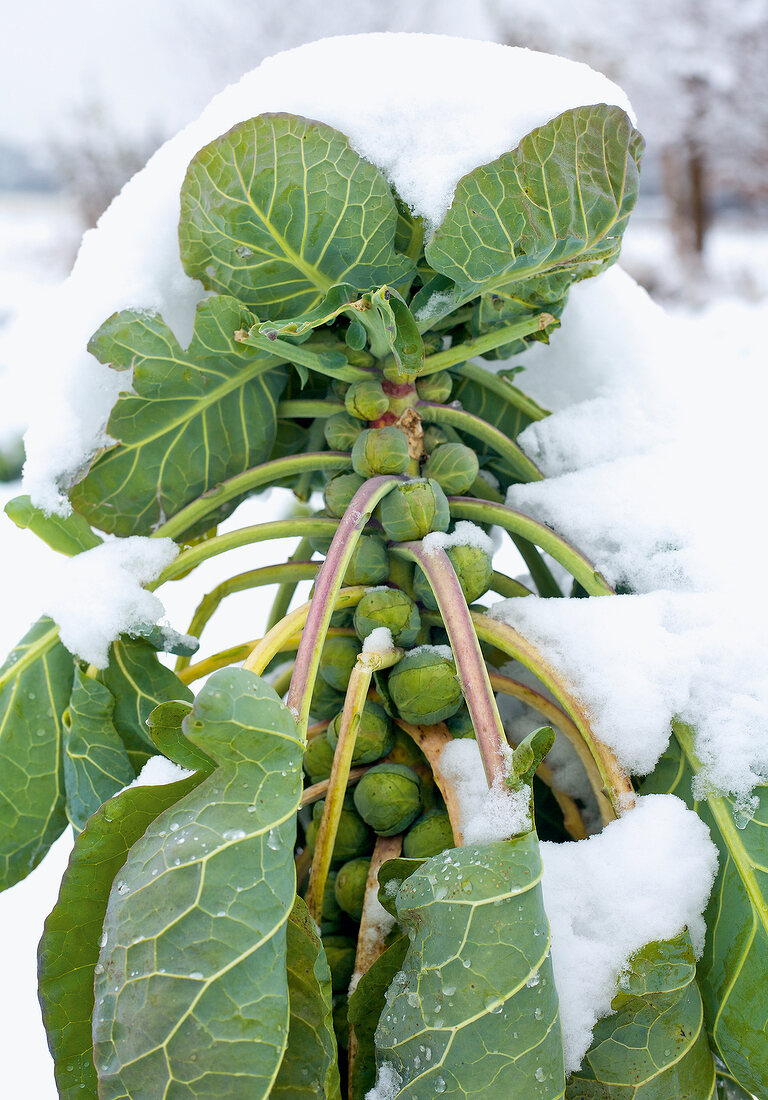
[470, 665]
[327, 585]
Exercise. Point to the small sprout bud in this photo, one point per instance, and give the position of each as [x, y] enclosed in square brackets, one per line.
[339, 491]
[318, 758]
[424, 687]
[388, 798]
[343, 618]
[353, 837]
[374, 734]
[428, 836]
[337, 661]
[340, 952]
[341, 430]
[460, 724]
[473, 569]
[380, 451]
[435, 387]
[369, 563]
[350, 886]
[433, 437]
[453, 466]
[391, 608]
[325, 700]
[413, 509]
[366, 400]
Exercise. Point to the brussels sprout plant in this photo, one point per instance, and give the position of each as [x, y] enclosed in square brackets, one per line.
[308, 903]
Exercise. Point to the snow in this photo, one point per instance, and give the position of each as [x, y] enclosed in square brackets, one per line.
[646, 877]
[485, 814]
[388, 1082]
[98, 595]
[375, 925]
[443, 651]
[158, 771]
[463, 534]
[131, 260]
[379, 641]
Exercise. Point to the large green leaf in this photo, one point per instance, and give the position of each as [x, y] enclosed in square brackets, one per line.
[96, 762]
[69, 949]
[139, 682]
[474, 1010]
[279, 209]
[733, 970]
[310, 1066]
[560, 200]
[192, 999]
[654, 1046]
[35, 684]
[365, 1007]
[192, 419]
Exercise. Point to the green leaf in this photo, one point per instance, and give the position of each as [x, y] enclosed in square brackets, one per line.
[392, 874]
[69, 535]
[310, 1066]
[365, 1007]
[279, 209]
[529, 754]
[202, 999]
[193, 419]
[69, 949]
[401, 330]
[35, 685]
[341, 296]
[165, 728]
[476, 987]
[139, 682]
[528, 299]
[733, 970]
[96, 764]
[164, 639]
[561, 200]
[655, 1045]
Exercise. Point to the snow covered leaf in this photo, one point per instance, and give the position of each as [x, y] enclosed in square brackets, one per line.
[310, 1065]
[279, 209]
[96, 763]
[193, 418]
[474, 1010]
[560, 200]
[655, 1045]
[139, 682]
[203, 996]
[365, 1007]
[69, 948]
[68, 534]
[35, 684]
[733, 970]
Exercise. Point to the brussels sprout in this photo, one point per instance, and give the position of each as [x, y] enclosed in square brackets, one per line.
[310, 835]
[343, 618]
[460, 724]
[337, 661]
[339, 491]
[433, 437]
[350, 886]
[353, 837]
[331, 911]
[374, 734]
[369, 563]
[388, 798]
[424, 687]
[366, 400]
[473, 569]
[341, 1020]
[380, 451]
[435, 387]
[428, 836]
[341, 430]
[453, 466]
[318, 758]
[325, 700]
[391, 608]
[340, 952]
[413, 509]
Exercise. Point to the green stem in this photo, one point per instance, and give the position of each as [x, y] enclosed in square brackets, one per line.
[507, 587]
[246, 482]
[310, 526]
[541, 574]
[472, 425]
[253, 578]
[499, 385]
[459, 353]
[533, 532]
[332, 364]
[304, 410]
[282, 601]
[284, 633]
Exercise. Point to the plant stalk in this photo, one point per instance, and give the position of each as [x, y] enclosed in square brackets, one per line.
[489, 341]
[472, 425]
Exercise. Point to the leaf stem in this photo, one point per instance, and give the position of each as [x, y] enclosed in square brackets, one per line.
[472, 425]
[507, 587]
[498, 384]
[299, 409]
[246, 482]
[459, 353]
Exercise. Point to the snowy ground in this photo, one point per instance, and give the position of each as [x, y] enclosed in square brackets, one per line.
[36, 236]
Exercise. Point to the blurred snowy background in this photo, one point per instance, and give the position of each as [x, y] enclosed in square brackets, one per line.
[89, 90]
